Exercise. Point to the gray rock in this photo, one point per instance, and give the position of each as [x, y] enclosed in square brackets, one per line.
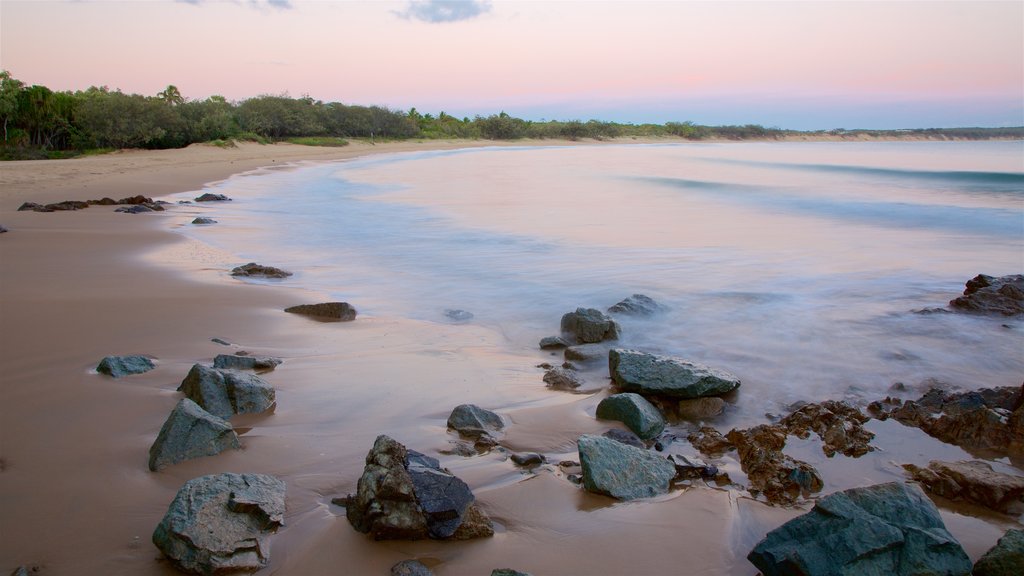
[891, 529]
[562, 379]
[190, 432]
[553, 343]
[443, 498]
[691, 467]
[1006, 558]
[210, 197]
[587, 352]
[222, 523]
[134, 209]
[22, 570]
[988, 295]
[528, 459]
[119, 366]
[472, 421]
[626, 437]
[225, 393]
[622, 471]
[2, 229]
[974, 481]
[410, 568]
[204, 220]
[644, 373]
[508, 572]
[334, 311]
[234, 362]
[637, 305]
[635, 412]
[590, 325]
[458, 315]
[253, 269]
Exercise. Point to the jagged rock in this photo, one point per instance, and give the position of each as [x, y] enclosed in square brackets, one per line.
[590, 325]
[254, 269]
[472, 421]
[403, 494]
[119, 366]
[528, 460]
[410, 568]
[553, 343]
[1005, 558]
[840, 426]
[891, 529]
[974, 481]
[700, 408]
[644, 373]
[336, 311]
[989, 295]
[204, 220]
[210, 197]
[190, 432]
[780, 478]
[635, 412]
[620, 471]
[221, 523]
[637, 305]
[562, 379]
[225, 393]
[135, 209]
[458, 315]
[587, 352]
[234, 362]
[710, 441]
[626, 437]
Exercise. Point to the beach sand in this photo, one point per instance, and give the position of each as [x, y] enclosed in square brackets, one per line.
[75, 493]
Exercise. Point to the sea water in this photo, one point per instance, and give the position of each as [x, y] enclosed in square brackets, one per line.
[803, 268]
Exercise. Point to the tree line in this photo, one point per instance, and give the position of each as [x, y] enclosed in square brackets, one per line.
[42, 123]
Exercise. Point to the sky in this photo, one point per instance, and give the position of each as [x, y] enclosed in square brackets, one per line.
[805, 65]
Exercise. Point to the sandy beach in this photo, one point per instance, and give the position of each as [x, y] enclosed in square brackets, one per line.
[77, 498]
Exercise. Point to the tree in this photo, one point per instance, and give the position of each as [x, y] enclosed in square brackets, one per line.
[171, 95]
[9, 90]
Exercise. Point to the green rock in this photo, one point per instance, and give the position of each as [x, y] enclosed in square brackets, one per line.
[635, 371]
[118, 366]
[622, 471]
[190, 432]
[635, 412]
[1006, 558]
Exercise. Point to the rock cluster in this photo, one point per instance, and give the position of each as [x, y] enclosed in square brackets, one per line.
[989, 295]
[974, 481]
[253, 269]
[68, 205]
[635, 371]
[225, 393]
[331, 311]
[120, 366]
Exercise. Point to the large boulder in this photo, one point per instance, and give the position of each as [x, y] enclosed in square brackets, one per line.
[405, 495]
[1006, 558]
[621, 471]
[235, 362]
[330, 311]
[989, 295]
[221, 523]
[119, 366]
[253, 269]
[190, 432]
[590, 325]
[888, 529]
[472, 421]
[637, 305]
[225, 393]
[635, 371]
[635, 412]
[974, 481]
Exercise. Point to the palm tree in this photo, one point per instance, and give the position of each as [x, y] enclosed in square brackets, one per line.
[171, 95]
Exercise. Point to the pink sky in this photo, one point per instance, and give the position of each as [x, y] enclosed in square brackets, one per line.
[793, 64]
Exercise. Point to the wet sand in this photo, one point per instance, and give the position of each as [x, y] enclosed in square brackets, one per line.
[76, 495]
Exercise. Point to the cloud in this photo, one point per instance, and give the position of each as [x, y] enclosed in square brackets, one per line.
[258, 4]
[438, 11]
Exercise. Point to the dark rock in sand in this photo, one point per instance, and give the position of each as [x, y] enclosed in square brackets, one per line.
[33, 207]
[105, 201]
[626, 437]
[562, 379]
[233, 362]
[190, 432]
[635, 412]
[410, 568]
[635, 371]
[974, 481]
[637, 305]
[253, 269]
[119, 366]
[225, 393]
[137, 199]
[136, 209]
[405, 495]
[1006, 558]
[472, 421]
[622, 471]
[587, 353]
[508, 572]
[67, 205]
[989, 295]
[222, 523]
[210, 197]
[779, 477]
[458, 315]
[528, 459]
[840, 426]
[2, 229]
[553, 343]
[691, 467]
[334, 311]
[590, 325]
[220, 341]
[710, 441]
[204, 220]
[700, 408]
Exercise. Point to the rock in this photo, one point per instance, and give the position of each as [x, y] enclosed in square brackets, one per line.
[472, 421]
[403, 494]
[974, 481]
[780, 478]
[136, 209]
[233, 362]
[891, 529]
[587, 352]
[190, 432]
[137, 199]
[840, 426]
[590, 325]
[410, 568]
[637, 305]
[225, 393]
[458, 315]
[635, 412]
[221, 523]
[710, 441]
[118, 366]
[622, 471]
[32, 206]
[204, 220]
[508, 572]
[562, 379]
[644, 373]
[626, 437]
[335, 311]
[553, 343]
[220, 341]
[988, 295]
[700, 408]
[67, 205]
[253, 269]
[105, 201]
[210, 197]
[2, 229]
[528, 460]
[1005, 558]
[691, 467]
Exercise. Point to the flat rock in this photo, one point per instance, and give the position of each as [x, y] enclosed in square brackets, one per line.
[637, 305]
[988, 295]
[887, 529]
[410, 568]
[253, 269]
[1006, 558]
[235, 362]
[528, 459]
[635, 412]
[562, 379]
[190, 432]
[587, 352]
[635, 371]
[222, 523]
[120, 366]
[473, 421]
[225, 393]
[590, 325]
[211, 197]
[335, 311]
[204, 220]
[974, 481]
[622, 471]
[553, 343]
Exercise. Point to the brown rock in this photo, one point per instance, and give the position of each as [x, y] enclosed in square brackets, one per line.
[710, 441]
[329, 311]
[562, 379]
[780, 478]
[700, 408]
[840, 426]
[974, 481]
[254, 269]
[989, 295]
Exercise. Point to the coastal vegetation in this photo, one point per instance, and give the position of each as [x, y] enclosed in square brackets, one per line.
[38, 122]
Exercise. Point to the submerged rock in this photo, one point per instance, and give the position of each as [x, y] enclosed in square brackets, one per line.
[635, 371]
[211, 197]
[622, 471]
[119, 366]
[891, 529]
[253, 269]
[225, 393]
[458, 315]
[1006, 558]
[336, 311]
[988, 295]
[234, 362]
[190, 432]
[700, 408]
[779, 477]
[635, 412]
[840, 426]
[587, 352]
[974, 481]
[562, 379]
[472, 421]
[637, 305]
[590, 325]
